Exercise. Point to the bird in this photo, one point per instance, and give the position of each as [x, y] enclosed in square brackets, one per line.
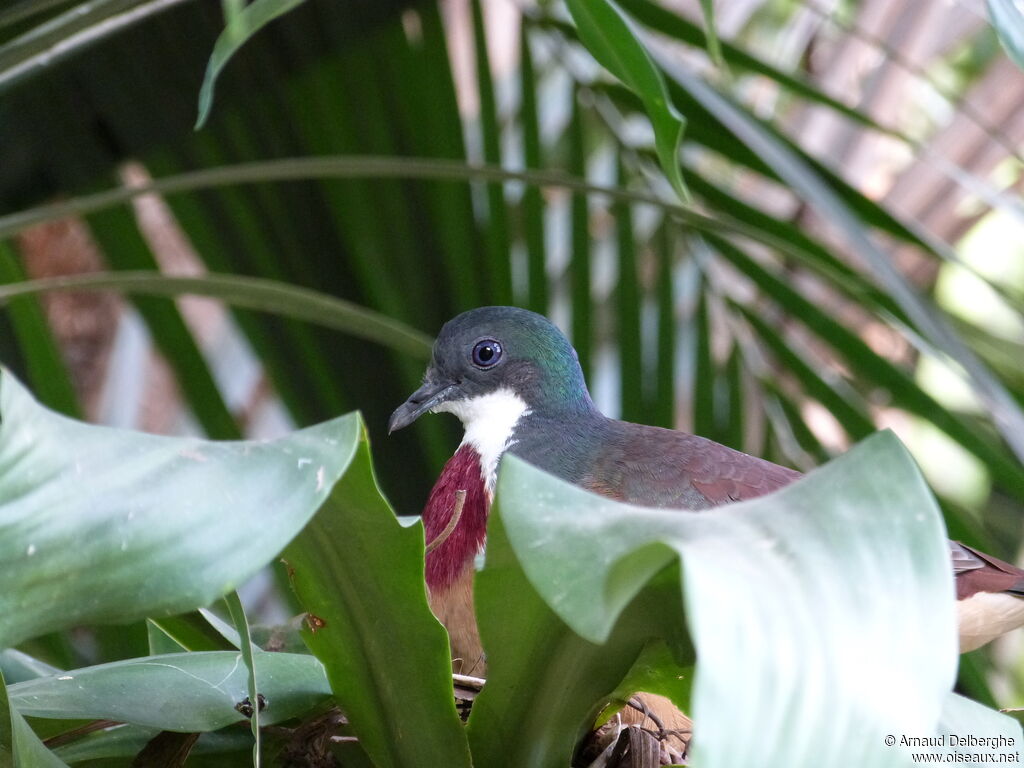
[515, 382]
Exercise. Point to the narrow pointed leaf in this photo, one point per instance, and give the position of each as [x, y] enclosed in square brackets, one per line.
[1007, 414]
[244, 25]
[707, 8]
[250, 292]
[19, 745]
[359, 574]
[247, 648]
[188, 632]
[663, 20]
[607, 34]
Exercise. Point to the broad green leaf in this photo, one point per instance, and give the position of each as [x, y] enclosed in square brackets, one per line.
[607, 34]
[829, 604]
[168, 524]
[546, 685]
[359, 574]
[122, 740]
[19, 745]
[1007, 17]
[187, 692]
[654, 671]
[17, 666]
[241, 27]
[126, 741]
[251, 292]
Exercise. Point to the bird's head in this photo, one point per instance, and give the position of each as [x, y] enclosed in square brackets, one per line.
[498, 360]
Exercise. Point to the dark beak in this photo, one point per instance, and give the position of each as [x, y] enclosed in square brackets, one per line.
[428, 396]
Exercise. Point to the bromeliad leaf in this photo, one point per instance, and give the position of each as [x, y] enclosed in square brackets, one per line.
[19, 745]
[605, 30]
[188, 692]
[807, 600]
[105, 525]
[359, 573]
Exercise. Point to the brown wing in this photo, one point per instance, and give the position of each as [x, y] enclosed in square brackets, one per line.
[665, 468]
[977, 572]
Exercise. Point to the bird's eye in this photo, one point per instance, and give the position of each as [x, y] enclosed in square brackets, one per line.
[486, 353]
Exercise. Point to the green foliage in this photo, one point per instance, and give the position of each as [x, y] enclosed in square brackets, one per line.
[130, 547]
[573, 590]
[331, 194]
[188, 692]
[358, 573]
[241, 24]
[756, 578]
[607, 33]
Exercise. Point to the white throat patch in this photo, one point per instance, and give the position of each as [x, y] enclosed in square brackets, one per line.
[489, 421]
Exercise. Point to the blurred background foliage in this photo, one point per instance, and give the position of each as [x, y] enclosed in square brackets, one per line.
[747, 317]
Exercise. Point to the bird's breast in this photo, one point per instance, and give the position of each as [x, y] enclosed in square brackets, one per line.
[456, 552]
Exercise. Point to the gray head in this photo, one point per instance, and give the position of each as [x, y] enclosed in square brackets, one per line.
[499, 350]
